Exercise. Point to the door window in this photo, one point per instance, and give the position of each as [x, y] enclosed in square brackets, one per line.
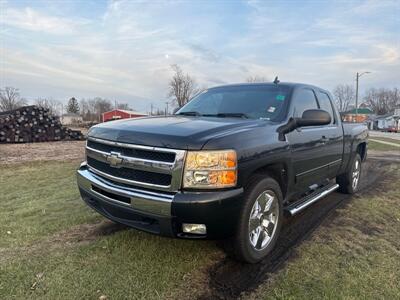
[304, 100]
[325, 104]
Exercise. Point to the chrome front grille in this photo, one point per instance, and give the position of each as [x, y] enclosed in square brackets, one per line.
[133, 152]
[136, 165]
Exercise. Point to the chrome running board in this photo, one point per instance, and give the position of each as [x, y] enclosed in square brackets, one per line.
[305, 202]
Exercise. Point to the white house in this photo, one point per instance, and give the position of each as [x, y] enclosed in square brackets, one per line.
[71, 119]
[389, 121]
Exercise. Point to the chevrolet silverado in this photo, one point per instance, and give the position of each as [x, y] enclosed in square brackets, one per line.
[233, 162]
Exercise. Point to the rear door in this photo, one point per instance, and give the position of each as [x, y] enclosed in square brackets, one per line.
[332, 135]
[307, 143]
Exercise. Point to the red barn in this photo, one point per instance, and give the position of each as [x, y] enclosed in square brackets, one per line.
[117, 114]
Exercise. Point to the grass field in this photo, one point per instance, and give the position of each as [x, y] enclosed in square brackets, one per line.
[52, 246]
[39, 201]
[382, 147]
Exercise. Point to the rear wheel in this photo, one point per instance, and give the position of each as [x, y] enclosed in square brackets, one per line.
[350, 181]
[260, 220]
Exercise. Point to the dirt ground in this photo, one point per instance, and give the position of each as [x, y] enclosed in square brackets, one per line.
[62, 151]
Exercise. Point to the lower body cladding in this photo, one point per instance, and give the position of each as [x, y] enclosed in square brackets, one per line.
[213, 214]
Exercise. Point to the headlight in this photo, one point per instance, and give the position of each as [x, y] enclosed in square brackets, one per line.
[210, 169]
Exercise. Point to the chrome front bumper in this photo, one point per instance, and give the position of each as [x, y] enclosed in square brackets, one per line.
[140, 200]
[158, 212]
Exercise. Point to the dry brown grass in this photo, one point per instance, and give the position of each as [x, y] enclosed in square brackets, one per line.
[55, 151]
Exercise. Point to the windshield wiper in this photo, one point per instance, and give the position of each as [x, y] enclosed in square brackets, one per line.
[190, 113]
[227, 115]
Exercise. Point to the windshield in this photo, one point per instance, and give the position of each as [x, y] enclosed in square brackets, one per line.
[247, 101]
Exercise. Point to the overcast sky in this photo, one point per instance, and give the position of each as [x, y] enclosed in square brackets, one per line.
[123, 49]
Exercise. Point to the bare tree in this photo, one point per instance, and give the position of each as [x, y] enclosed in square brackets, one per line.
[10, 99]
[382, 101]
[182, 87]
[344, 96]
[124, 106]
[84, 109]
[91, 114]
[159, 112]
[102, 105]
[256, 78]
[52, 105]
[92, 109]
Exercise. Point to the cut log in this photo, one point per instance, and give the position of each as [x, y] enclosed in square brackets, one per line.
[33, 124]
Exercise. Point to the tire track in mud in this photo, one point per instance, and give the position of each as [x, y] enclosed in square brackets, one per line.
[76, 235]
[228, 279]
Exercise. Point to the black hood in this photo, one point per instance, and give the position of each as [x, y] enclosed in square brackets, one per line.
[178, 132]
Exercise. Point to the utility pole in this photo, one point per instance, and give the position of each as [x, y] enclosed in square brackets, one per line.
[151, 109]
[166, 110]
[358, 75]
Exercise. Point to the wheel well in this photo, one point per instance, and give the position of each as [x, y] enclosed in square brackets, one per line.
[278, 172]
[362, 150]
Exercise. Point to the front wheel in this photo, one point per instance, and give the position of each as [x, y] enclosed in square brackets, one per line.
[349, 182]
[260, 220]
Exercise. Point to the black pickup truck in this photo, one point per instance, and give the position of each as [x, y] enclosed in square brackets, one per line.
[233, 162]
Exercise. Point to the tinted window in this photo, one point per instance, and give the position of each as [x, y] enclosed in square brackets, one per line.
[304, 100]
[325, 104]
[255, 101]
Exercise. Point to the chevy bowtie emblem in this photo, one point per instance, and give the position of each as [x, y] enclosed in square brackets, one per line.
[114, 159]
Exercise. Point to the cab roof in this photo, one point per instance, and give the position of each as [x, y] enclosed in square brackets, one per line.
[287, 84]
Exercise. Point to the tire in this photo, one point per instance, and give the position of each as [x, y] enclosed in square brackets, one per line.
[251, 246]
[349, 182]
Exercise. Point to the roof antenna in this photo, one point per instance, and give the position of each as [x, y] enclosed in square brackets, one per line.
[276, 80]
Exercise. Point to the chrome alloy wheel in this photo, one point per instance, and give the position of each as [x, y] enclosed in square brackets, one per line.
[356, 174]
[263, 220]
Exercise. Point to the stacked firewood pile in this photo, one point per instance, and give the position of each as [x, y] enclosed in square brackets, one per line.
[33, 124]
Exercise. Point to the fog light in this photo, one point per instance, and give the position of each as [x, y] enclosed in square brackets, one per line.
[194, 228]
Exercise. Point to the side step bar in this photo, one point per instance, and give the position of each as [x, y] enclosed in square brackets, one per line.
[305, 202]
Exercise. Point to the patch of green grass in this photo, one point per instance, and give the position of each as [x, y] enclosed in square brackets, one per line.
[385, 139]
[381, 147]
[355, 256]
[38, 199]
[127, 265]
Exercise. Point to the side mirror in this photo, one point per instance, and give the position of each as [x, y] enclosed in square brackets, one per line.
[313, 117]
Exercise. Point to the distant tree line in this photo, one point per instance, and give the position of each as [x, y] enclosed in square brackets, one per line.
[381, 101]
[92, 109]
[182, 87]
[89, 109]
